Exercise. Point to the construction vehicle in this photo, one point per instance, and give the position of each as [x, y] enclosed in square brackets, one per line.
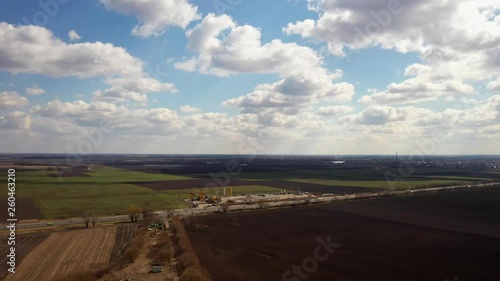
[158, 225]
[214, 200]
[193, 196]
[202, 197]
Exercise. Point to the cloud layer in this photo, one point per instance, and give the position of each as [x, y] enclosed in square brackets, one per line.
[155, 16]
[304, 80]
[456, 40]
[451, 96]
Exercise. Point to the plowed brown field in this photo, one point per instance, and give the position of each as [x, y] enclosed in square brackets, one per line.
[26, 210]
[24, 244]
[64, 252]
[433, 237]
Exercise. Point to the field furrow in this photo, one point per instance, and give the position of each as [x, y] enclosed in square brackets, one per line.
[65, 252]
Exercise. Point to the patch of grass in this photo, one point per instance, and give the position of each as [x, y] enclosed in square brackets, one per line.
[109, 174]
[382, 184]
[456, 178]
[100, 175]
[369, 174]
[251, 189]
[243, 189]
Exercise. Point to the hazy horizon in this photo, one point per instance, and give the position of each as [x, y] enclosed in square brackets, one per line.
[258, 155]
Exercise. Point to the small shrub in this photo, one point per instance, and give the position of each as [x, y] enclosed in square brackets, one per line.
[85, 275]
[135, 246]
[188, 266]
[162, 252]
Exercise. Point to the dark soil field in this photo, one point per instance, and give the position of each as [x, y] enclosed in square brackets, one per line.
[25, 210]
[201, 183]
[69, 172]
[24, 244]
[435, 237]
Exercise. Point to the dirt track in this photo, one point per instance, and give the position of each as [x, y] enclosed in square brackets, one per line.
[429, 237]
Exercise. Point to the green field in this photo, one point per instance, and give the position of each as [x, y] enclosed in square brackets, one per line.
[106, 191]
[241, 189]
[384, 184]
[104, 205]
[370, 174]
[98, 176]
[252, 189]
[376, 178]
[109, 191]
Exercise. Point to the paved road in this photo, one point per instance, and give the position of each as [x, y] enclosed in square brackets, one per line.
[214, 209]
[68, 222]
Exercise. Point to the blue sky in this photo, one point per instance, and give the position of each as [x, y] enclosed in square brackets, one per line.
[168, 78]
[94, 23]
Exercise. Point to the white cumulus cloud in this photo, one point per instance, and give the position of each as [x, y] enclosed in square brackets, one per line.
[457, 41]
[12, 100]
[34, 90]
[303, 78]
[155, 16]
[189, 109]
[35, 50]
[73, 36]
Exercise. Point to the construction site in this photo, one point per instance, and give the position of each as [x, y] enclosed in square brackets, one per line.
[202, 199]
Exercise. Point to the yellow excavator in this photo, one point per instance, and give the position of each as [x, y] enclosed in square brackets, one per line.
[202, 195]
[214, 200]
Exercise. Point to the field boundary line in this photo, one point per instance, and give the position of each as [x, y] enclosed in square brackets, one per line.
[173, 259]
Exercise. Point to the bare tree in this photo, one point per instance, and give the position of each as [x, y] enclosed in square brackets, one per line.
[86, 219]
[133, 213]
[145, 213]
